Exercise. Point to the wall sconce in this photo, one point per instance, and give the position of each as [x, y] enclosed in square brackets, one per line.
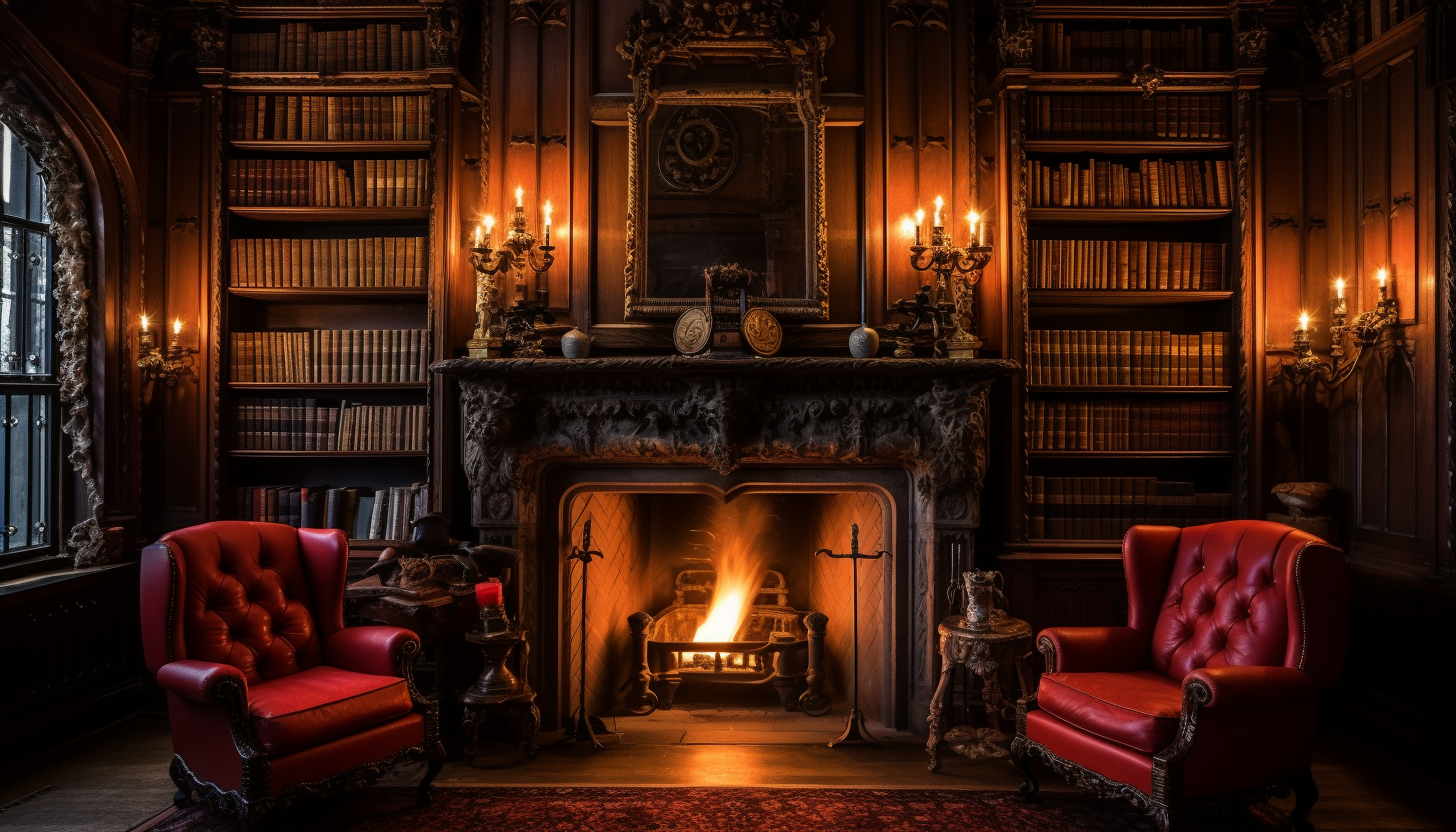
[498, 326]
[947, 304]
[167, 367]
[1364, 332]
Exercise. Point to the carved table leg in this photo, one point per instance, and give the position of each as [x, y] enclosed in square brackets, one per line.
[937, 703]
[1305, 795]
[183, 784]
[470, 731]
[533, 727]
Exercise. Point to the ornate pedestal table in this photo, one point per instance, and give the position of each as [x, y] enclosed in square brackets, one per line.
[500, 690]
[984, 653]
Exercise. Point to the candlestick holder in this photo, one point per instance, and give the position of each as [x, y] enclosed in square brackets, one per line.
[499, 327]
[947, 308]
[1364, 333]
[169, 367]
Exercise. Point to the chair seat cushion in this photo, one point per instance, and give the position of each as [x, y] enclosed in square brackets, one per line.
[1139, 710]
[318, 704]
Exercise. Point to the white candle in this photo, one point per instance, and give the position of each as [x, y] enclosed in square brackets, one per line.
[520, 192]
[1380, 276]
[144, 323]
[973, 218]
[478, 233]
[489, 224]
[177, 326]
[938, 203]
[1303, 321]
[919, 221]
[1340, 288]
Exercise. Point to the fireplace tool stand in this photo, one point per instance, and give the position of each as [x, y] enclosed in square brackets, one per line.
[584, 726]
[854, 729]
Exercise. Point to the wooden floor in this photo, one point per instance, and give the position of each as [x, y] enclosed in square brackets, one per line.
[117, 779]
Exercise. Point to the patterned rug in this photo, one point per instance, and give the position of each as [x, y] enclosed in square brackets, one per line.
[709, 810]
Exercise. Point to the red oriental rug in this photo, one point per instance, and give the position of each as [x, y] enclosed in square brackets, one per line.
[709, 810]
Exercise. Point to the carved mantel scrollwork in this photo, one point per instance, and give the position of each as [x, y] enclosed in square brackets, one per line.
[442, 33]
[929, 417]
[1251, 36]
[210, 32]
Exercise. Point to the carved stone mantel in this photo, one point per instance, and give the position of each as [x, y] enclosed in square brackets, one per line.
[928, 417]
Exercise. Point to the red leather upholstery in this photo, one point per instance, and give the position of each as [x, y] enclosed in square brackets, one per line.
[322, 703]
[1139, 710]
[260, 605]
[1251, 613]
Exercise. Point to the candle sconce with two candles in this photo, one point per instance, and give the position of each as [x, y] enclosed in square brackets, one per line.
[1364, 333]
[501, 328]
[946, 305]
[169, 366]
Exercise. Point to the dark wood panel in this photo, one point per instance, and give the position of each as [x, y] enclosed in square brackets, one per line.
[609, 234]
[554, 175]
[609, 29]
[843, 186]
[1283, 169]
[1403, 83]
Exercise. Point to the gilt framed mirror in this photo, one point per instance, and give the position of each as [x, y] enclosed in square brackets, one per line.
[726, 154]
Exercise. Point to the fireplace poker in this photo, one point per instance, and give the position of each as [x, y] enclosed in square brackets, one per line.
[854, 729]
[584, 725]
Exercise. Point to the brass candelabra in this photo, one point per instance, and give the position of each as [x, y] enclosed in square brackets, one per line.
[501, 326]
[1363, 333]
[951, 301]
[169, 366]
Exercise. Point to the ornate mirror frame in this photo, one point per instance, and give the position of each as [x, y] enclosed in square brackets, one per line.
[785, 32]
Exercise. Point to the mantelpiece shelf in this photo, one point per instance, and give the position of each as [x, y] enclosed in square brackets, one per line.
[1129, 454]
[323, 454]
[334, 387]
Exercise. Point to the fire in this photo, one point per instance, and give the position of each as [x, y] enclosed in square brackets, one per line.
[737, 543]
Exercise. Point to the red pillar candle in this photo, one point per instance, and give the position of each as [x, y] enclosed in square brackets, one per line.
[488, 594]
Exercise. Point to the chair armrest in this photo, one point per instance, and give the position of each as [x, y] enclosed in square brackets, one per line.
[382, 651]
[199, 680]
[1238, 687]
[1094, 649]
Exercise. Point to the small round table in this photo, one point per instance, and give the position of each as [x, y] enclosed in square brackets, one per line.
[500, 690]
[984, 652]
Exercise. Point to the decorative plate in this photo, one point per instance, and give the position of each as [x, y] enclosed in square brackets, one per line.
[763, 332]
[693, 331]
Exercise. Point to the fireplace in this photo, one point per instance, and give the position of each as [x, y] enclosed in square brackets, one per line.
[660, 452]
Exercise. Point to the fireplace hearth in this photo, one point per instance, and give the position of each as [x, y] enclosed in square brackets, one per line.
[896, 446]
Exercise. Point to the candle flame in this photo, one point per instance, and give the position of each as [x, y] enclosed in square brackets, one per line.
[489, 223]
[1304, 320]
[1380, 276]
[1340, 287]
[737, 541]
[939, 203]
[919, 216]
[907, 226]
[176, 326]
[144, 323]
[478, 232]
[548, 212]
[520, 192]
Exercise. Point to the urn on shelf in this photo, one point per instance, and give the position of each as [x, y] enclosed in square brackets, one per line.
[864, 342]
[576, 344]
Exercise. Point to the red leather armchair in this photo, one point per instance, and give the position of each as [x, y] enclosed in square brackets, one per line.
[1210, 691]
[270, 697]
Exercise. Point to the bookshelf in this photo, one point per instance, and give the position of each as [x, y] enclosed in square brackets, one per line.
[1126, 216]
[332, 122]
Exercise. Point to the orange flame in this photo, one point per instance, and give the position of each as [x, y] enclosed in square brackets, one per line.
[737, 544]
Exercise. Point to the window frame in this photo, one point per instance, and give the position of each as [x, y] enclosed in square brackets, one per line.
[17, 379]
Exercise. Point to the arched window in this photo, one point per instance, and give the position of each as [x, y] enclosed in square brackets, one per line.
[28, 410]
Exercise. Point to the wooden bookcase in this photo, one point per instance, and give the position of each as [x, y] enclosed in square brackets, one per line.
[331, 126]
[1115, 435]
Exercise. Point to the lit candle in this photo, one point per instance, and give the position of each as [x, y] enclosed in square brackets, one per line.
[489, 225]
[1304, 322]
[973, 218]
[548, 222]
[919, 221]
[146, 336]
[176, 326]
[1380, 276]
[144, 323]
[1339, 288]
[520, 192]
[938, 203]
[478, 232]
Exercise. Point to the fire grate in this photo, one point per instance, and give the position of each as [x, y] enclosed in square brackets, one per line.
[776, 645]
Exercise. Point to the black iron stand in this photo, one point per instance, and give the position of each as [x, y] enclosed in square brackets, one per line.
[854, 730]
[584, 726]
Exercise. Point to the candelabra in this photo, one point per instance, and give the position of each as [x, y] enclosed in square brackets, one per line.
[168, 367]
[1364, 333]
[500, 327]
[949, 304]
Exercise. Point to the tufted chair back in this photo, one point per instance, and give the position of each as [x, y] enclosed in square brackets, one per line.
[1244, 592]
[257, 596]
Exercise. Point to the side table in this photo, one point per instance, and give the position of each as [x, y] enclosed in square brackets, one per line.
[498, 690]
[984, 653]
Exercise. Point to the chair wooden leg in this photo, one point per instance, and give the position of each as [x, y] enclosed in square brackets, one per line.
[1030, 786]
[437, 762]
[1305, 795]
[184, 785]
